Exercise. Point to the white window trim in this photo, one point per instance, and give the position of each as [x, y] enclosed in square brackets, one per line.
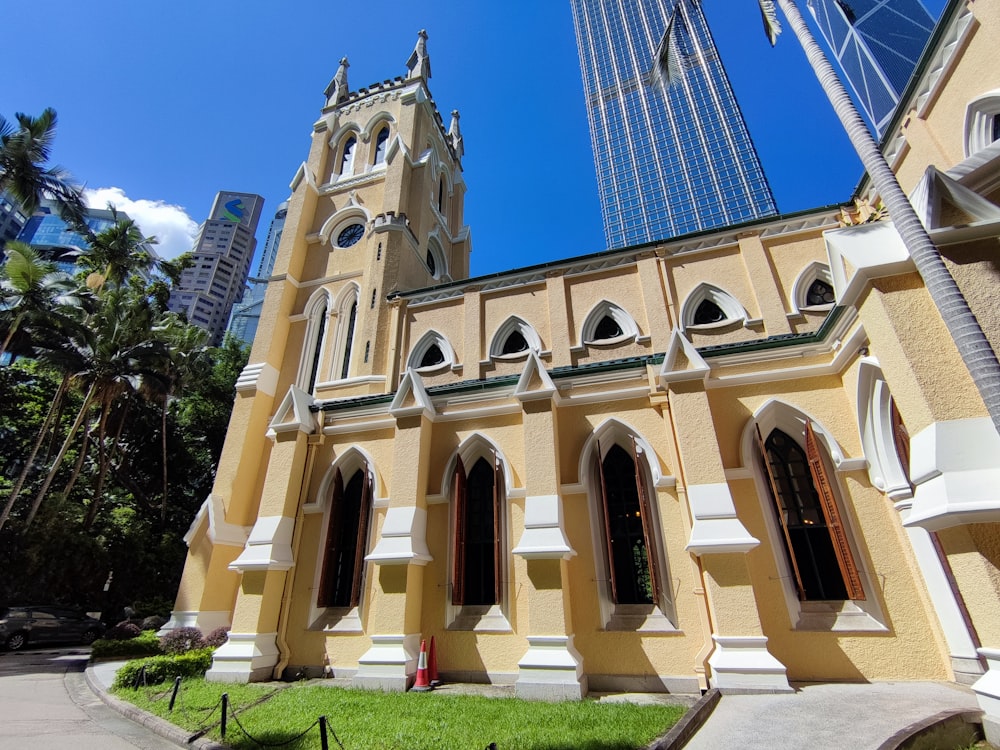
[630, 330]
[480, 618]
[815, 271]
[661, 616]
[318, 306]
[509, 326]
[419, 349]
[979, 115]
[342, 619]
[734, 311]
[833, 616]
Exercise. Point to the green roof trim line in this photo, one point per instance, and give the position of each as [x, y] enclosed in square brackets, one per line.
[775, 342]
[611, 365]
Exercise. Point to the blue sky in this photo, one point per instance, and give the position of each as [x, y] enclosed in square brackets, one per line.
[169, 103]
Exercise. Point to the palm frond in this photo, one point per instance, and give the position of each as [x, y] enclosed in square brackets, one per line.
[769, 14]
[667, 68]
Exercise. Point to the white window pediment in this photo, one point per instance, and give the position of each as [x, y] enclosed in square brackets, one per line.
[432, 353]
[708, 307]
[514, 339]
[607, 324]
[813, 289]
[982, 126]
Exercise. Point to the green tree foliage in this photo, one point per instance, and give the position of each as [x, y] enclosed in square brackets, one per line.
[110, 428]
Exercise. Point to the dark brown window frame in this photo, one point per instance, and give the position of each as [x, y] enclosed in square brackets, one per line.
[328, 581]
[459, 498]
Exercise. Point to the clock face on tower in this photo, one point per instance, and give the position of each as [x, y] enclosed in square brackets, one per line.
[350, 235]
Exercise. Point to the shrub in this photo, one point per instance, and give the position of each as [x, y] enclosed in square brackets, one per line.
[166, 667]
[154, 622]
[181, 640]
[123, 631]
[145, 644]
[217, 637]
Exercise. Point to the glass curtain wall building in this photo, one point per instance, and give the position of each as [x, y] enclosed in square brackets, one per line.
[668, 163]
[877, 43]
[246, 314]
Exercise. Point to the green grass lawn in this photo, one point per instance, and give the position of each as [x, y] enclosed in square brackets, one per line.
[368, 720]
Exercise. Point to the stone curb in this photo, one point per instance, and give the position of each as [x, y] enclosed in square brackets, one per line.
[154, 724]
[689, 724]
[919, 727]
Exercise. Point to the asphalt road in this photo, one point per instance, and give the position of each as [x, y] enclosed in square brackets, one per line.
[45, 704]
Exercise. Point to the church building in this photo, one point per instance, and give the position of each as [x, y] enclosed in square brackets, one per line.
[737, 458]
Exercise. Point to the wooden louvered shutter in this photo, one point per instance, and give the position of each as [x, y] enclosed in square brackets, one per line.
[901, 438]
[776, 495]
[831, 512]
[497, 556]
[607, 525]
[648, 532]
[327, 580]
[359, 552]
[458, 493]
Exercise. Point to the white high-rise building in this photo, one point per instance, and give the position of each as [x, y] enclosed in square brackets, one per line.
[222, 255]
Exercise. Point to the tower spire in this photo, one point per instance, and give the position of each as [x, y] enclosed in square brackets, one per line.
[455, 135]
[337, 90]
[419, 64]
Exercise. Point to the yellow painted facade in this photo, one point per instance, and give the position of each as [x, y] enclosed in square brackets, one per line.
[379, 360]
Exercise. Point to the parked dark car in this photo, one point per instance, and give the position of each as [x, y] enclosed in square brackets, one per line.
[40, 624]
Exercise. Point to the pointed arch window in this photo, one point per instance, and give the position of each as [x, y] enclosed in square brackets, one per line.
[347, 156]
[707, 313]
[477, 560]
[440, 203]
[381, 146]
[629, 530]
[514, 343]
[431, 265]
[709, 306]
[813, 533]
[345, 366]
[607, 328]
[342, 578]
[607, 323]
[514, 338]
[315, 337]
[432, 357]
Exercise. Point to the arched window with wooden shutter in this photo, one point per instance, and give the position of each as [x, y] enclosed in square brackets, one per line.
[342, 577]
[629, 527]
[816, 542]
[478, 553]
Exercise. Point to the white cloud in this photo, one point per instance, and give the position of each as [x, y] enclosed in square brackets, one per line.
[172, 227]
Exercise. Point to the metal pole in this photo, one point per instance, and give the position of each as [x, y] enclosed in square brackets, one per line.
[173, 695]
[225, 712]
[322, 734]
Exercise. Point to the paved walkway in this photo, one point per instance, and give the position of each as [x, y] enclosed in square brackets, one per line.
[54, 705]
[827, 716]
[46, 704]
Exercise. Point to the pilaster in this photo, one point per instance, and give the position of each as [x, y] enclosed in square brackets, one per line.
[551, 669]
[400, 553]
[740, 659]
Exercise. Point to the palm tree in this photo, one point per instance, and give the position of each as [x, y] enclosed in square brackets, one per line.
[971, 342]
[117, 253]
[33, 292]
[24, 152]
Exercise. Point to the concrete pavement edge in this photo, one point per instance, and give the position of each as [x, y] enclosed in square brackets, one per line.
[155, 724]
[689, 723]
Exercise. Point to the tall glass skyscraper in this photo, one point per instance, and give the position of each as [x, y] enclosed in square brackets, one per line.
[246, 314]
[877, 43]
[668, 163]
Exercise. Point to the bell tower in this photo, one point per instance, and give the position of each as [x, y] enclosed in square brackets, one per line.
[380, 210]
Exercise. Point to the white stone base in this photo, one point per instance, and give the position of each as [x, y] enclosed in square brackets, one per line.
[206, 621]
[245, 657]
[390, 664]
[987, 689]
[551, 669]
[743, 664]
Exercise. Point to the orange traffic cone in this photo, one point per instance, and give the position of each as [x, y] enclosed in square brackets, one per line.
[432, 665]
[422, 685]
